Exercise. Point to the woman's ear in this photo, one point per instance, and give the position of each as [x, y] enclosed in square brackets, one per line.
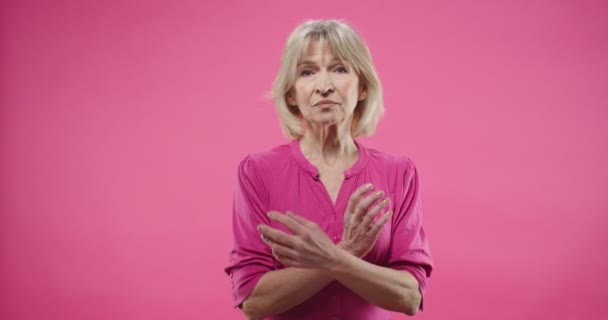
[290, 98]
[362, 92]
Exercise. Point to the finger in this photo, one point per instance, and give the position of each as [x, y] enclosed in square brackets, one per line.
[364, 204]
[291, 224]
[276, 236]
[371, 214]
[356, 196]
[301, 220]
[284, 255]
[377, 226]
[287, 261]
[282, 251]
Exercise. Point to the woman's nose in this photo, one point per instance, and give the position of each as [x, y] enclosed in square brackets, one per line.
[325, 85]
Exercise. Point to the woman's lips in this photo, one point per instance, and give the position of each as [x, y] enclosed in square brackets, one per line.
[325, 104]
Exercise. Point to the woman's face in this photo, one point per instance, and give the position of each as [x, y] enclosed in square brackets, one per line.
[326, 91]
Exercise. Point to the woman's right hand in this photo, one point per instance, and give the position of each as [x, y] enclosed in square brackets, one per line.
[360, 228]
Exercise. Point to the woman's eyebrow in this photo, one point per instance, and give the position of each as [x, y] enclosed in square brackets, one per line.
[308, 62]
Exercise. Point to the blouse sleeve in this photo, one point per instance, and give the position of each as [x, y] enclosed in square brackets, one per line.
[409, 248]
[250, 257]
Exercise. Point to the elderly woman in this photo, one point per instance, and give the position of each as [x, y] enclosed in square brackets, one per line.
[324, 227]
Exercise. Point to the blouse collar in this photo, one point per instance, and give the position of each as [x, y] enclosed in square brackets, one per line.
[314, 172]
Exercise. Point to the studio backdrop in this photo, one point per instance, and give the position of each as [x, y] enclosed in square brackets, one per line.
[122, 124]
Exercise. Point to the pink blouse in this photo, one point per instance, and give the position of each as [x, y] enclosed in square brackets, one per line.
[283, 179]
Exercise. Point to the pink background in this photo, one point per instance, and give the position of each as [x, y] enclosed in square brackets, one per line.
[122, 124]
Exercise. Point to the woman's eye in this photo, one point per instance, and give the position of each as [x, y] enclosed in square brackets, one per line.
[341, 69]
[306, 72]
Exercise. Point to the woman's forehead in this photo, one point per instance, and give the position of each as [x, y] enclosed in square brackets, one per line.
[318, 48]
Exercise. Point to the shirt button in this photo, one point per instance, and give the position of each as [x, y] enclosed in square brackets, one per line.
[335, 238]
[333, 217]
[233, 297]
[333, 299]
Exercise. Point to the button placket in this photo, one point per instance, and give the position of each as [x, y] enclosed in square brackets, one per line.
[334, 306]
[334, 227]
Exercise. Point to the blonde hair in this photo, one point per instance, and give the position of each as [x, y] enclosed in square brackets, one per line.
[348, 46]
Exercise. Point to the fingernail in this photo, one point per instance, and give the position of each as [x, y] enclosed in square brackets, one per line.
[368, 186]
[270, 214]
[260, 227]
[379, 193]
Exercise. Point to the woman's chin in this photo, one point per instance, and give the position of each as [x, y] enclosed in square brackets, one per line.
[329, 121]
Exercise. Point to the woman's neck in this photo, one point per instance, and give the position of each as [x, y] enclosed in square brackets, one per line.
[327, 144]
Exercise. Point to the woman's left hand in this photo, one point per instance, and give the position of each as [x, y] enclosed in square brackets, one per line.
[307, 247]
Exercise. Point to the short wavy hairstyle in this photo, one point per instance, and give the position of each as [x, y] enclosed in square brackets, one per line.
[348, 46]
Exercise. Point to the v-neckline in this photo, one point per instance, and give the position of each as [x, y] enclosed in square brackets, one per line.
[313, 171]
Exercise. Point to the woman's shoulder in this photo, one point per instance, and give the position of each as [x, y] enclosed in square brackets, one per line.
[267, 158]
[400, 161]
